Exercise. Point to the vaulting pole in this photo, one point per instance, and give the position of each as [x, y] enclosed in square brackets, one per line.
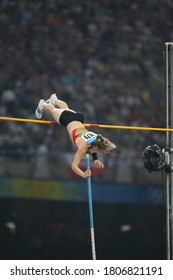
[90, 209]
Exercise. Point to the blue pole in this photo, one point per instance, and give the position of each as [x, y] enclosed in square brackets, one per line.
[91, 209]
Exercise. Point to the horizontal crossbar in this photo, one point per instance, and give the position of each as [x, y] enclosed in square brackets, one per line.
[90, 125]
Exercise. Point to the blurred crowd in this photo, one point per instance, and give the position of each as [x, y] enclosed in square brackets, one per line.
[105, 58]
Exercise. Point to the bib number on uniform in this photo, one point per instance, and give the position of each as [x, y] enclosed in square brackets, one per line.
[89, 137]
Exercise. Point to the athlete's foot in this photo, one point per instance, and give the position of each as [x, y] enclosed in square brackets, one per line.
[40, 110]
[52, 99]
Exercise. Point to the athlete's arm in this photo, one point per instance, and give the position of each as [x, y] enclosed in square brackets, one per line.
[96, 161]
[76, 161]
[98, 164]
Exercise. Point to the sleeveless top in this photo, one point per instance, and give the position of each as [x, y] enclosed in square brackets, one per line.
[88, 136]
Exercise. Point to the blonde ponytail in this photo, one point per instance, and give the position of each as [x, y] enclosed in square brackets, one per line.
[104, 144]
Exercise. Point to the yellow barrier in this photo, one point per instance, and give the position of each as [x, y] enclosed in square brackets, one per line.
[90, 125]
[25, 120]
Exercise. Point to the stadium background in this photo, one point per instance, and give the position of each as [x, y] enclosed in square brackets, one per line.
[105, 58]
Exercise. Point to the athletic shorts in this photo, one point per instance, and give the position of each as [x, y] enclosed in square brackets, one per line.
[69, 116]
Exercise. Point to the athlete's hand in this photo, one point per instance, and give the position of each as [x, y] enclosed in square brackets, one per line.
[99, 164]
[87, 173]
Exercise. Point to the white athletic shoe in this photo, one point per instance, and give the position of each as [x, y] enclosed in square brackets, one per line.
[52, 99]
[39, 111]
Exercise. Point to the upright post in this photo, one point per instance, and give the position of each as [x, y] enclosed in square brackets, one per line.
[91, 209]
[169, 146]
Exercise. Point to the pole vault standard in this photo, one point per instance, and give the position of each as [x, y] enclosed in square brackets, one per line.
[90, 209]
[169, 146]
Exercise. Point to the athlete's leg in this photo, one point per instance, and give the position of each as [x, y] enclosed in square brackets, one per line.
[55, 112]
[57, 102]
[50, 106]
